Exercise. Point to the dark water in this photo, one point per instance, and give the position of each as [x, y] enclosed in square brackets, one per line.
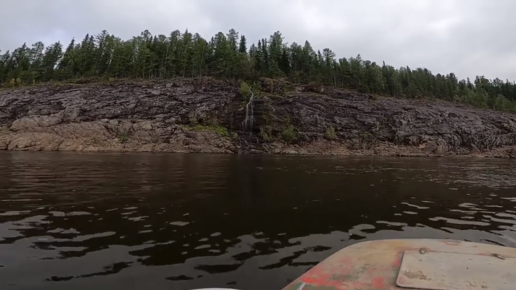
[147, 221]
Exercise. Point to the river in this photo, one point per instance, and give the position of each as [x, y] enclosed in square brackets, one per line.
[180, 221]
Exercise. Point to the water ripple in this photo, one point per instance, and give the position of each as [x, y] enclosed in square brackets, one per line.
[249, 222]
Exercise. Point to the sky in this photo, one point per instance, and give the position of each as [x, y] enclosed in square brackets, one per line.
[466, 37]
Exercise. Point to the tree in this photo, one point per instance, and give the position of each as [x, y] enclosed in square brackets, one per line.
[229, 55]
[242, 47]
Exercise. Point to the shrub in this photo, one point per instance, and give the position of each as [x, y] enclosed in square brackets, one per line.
[289, 134]
[330, 133]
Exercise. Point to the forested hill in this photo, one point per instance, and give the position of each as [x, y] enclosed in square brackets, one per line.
[229, 56]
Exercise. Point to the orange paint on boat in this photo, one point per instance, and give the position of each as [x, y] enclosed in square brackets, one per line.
[376, 264]
[378, 283]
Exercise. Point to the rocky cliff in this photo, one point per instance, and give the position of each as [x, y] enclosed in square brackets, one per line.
[207, 115]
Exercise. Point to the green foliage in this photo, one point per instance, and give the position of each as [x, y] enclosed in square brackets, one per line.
[289, 134]
[123, 138]
[222, 131]
[330, 133]
[266, 133]
[245, 90]
[186, 54]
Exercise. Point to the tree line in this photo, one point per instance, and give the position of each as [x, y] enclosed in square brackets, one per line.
[229, 56]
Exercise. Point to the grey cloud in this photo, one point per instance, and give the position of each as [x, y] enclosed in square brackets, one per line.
[468, 37]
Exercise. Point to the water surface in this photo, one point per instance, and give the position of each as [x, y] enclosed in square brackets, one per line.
[179, 221]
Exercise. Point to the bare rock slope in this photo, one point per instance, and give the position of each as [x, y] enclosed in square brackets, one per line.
[206, 115]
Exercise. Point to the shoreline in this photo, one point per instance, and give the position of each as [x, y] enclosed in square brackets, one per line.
[41, 142]
[180, 117]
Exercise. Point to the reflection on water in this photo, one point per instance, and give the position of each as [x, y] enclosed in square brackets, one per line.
[138, 221]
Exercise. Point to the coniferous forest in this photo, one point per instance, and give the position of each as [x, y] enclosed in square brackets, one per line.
[230, 56]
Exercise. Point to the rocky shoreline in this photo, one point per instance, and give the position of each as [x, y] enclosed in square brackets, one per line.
[205, 115]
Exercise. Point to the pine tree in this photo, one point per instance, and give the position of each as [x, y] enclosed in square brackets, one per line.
[242, 47]
[229, 56]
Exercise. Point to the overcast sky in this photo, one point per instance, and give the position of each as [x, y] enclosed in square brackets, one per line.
[468, 37]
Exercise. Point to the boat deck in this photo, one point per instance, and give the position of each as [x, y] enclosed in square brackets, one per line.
[417, 264]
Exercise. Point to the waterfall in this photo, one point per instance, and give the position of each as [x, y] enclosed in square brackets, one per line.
[249, 116]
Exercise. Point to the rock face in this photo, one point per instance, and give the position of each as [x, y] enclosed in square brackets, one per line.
[206, 115]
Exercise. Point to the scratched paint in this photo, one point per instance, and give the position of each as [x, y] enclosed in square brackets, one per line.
[375, 265]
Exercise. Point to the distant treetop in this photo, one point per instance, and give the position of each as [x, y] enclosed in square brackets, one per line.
[228, 56]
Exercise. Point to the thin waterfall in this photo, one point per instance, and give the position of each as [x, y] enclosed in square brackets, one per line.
[249, 116]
